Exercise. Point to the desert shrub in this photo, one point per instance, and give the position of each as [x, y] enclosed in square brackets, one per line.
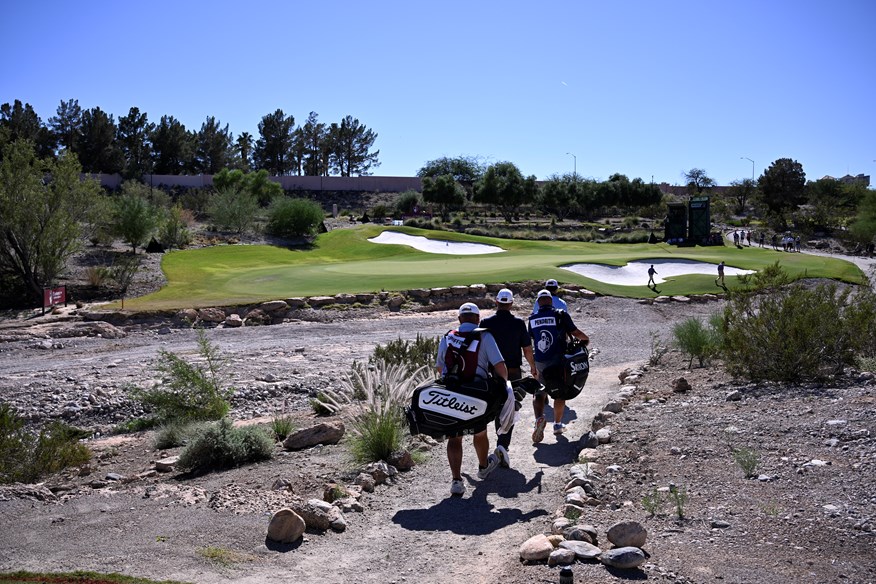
[25, 457]
[414, 354]
[221, 446]
[96, 276]
[233, 209]
[696, 339]
[379, 212]
[747, 460]
[282, 426]
[377, 417]
[658, 349]
[188, 392]
[632, 237]
[406, 202]
[294, 217]
[177, 433]
[790, 332]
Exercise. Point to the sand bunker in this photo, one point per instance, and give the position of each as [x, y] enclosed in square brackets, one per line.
[636, 273]
[435, 245]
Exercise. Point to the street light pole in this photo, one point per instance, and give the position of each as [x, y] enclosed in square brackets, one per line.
[575, 164]
[752, 165]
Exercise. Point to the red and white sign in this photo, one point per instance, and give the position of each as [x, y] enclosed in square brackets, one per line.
[53, 296]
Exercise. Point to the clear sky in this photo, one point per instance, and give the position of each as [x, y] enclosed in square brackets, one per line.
[646, 88]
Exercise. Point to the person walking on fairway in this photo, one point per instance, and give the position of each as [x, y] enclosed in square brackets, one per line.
[651, 272]
[720, 277]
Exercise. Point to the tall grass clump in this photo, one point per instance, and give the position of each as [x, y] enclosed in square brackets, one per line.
[778, 331]
[26, 456]
[377, 417]
[221, 446]
[188, 391]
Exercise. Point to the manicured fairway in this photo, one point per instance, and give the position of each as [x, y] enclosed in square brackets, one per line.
[345, 261]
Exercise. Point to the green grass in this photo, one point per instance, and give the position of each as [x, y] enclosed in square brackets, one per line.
[345, 261]
[75, 577]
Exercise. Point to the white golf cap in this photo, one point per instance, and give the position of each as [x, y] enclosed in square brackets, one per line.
[505, 296]
[544, 294]
[469, 308]
[551, 284]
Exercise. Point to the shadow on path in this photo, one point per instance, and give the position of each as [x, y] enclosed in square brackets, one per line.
[473, 514]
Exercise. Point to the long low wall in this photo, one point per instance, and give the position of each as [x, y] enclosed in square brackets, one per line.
[373, 184]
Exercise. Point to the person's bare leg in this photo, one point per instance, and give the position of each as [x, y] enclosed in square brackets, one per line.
[559, 408]
[538, 405]
[454, 456]
[481, 443]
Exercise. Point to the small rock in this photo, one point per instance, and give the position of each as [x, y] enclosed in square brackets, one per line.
[166, 464]
[624, 558]
[536, 549]
[627, 534]
[734, 395]
[561, 557]
[680, 385]
[583, 550]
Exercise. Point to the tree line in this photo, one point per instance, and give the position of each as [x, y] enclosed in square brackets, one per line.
[134, 146]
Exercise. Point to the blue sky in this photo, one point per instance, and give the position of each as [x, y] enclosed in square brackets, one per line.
[640, 87]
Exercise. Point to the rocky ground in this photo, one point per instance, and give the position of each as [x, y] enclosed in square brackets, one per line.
[807, 513]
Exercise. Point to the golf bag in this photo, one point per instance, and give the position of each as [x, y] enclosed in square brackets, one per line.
[566, 380]
[449, 407]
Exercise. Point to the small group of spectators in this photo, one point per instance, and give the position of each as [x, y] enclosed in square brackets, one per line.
[787, 242]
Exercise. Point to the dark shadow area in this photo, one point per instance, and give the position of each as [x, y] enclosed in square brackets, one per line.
[276, 546]
[629, 574]
[470, 514]
[508, 483]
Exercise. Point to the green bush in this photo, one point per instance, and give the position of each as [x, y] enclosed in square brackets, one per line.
[25, 457]
[407, 202]
[222, 446]
[294, 217]
[421, 352]
[784, 332]
[233, 209]
[177, 433]
[697, 340]
[188, 392]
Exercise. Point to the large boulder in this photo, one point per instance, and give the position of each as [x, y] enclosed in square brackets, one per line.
[286, 526]
[329, 432]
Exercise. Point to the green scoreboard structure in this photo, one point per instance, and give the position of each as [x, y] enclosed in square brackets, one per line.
[689, 223]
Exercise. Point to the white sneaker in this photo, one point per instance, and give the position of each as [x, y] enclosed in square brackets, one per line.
[504, 458]
[559, 429]
[538, 433]
[492, 463]
[457, 487]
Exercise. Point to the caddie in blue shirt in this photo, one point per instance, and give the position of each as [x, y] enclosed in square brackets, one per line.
[552, 286]
[549, 328]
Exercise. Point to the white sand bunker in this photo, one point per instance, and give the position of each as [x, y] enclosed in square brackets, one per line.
[435, 245]
[636, 273]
